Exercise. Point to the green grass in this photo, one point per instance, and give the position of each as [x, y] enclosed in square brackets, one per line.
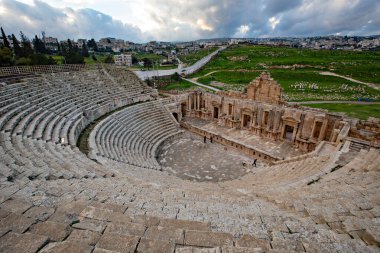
[179, 85]
[353, 110]
[232, 66]
[192, 58]
[364, 66]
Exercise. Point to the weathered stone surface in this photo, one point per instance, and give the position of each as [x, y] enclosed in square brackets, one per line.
[207, 239]
[64, 217]
[91, 224]
[120, 218]
[154, 246]
[16, 223]
[249, 241]
[22, 243]
[109, 206]
[148, 221]
[98, 250]
[126, 229]
[96, 213]
[190, 249]
[84, 236]
[15, 206]
[54, 230]
[39, 213]
[4, 213]
[290, 245]
[164, 234]
[183, 224]
[119, 243]
[67, 246]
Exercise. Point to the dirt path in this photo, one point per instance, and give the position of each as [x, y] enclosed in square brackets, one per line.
[372, 85]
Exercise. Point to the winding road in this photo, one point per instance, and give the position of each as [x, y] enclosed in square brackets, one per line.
[180, 70]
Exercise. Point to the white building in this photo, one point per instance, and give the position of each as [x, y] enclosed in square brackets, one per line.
[123, 60]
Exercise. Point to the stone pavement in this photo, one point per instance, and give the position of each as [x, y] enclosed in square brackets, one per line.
[188, 157]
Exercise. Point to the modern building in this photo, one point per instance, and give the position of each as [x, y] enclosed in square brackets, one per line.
[123, 60]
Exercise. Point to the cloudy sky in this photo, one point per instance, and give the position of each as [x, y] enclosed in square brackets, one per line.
[179, 20]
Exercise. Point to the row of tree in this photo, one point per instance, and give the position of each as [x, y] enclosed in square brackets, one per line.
[23, 53]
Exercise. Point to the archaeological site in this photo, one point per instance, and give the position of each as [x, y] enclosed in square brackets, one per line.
[92, 159]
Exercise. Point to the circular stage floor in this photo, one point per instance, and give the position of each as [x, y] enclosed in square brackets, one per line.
[188, 157]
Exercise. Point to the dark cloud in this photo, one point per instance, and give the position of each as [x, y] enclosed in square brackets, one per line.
[64, 23]
[187, 20]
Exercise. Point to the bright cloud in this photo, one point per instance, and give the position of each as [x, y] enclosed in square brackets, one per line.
[173, 20]
[273, 21]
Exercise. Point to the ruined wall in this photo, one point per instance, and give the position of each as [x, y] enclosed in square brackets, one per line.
[305, 128]
[265, 89]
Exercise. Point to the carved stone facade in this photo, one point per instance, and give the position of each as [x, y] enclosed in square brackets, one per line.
[265, 89]
[305, 128]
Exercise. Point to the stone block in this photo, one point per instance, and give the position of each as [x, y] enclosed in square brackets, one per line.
[16, 223]
[91, 224]
[22, 243]
[67, 246]
[249, 241]
[126, 229]
[164, 234]
[84, 236]
[15, 206]
[148, 221]
[186, 225]
[54, 230]
[119, 243]
[207, 239]
[155, 246]
[96, 213]
[39, 213]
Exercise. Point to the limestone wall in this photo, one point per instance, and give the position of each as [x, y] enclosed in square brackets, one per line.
[305, 128]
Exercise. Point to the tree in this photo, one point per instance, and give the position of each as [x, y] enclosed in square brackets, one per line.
[134, 59]
[5, 39]
[109, 59]
[41, 59]
[26, 47]
[92, 44]
[94, 57]
[85, 50]
[147, 63]
[16, 46]
[39, 45]
[6, 57]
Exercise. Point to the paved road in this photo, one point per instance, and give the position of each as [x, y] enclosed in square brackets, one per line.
[180, 70]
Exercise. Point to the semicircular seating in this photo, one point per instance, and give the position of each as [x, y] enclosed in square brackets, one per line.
[53, 198]
[133, 134]
[41, 115]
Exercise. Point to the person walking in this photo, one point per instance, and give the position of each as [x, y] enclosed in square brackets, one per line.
[254, 163]
[204, 139]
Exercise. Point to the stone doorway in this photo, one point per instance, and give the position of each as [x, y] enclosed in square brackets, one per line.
[288, 133]
[317, 129]
[246, 121]
[175, 115]
[216, 112]
[183, 109]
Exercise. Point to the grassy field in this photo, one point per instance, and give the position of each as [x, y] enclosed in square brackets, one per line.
[192, 58]
[179, 85]
[238, 65]
[352, 110]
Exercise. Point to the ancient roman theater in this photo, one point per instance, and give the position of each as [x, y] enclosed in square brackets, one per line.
[92, 159]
